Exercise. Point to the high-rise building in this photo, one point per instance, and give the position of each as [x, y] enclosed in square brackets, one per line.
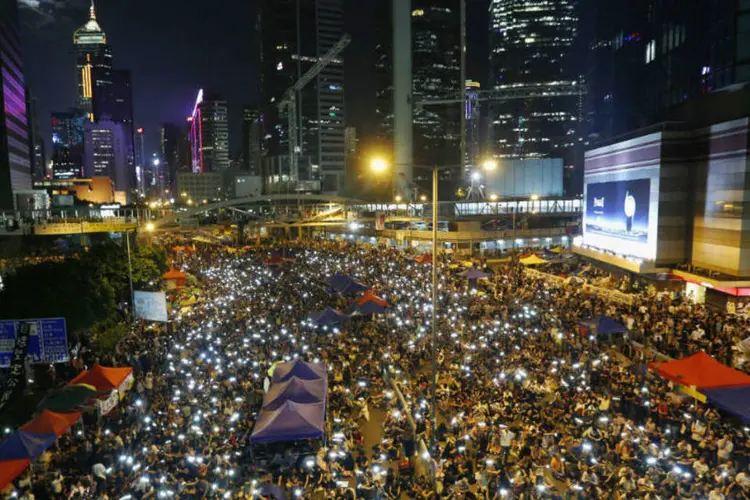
[534, 46]
[67, 144]
[473, 125]
[436, 73]
[36, 141]
[649, 57]
[172, 136]
[113, 95]
[252, 128]
[209, 134]
[105, 144]
[294, 34]
[15, 165]
[139, 159]
[92, 55]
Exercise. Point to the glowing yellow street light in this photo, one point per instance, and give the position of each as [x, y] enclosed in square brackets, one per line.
[378, 165]
[190, 202]
[398, 198]
[489, 164]
[423, 197]
[493, 197]
[150, 227]
[534, 197]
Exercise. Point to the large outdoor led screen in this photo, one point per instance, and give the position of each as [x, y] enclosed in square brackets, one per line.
[619, 210]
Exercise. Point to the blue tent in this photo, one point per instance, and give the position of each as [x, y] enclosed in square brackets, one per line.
[290, 422]
[328, 316]
[299, 369]
[603, 325]
[22, 444]
[346, 284]
[296, 390]
[735, 400]
[474, 274]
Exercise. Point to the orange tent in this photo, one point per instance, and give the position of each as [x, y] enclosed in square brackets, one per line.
[175, 279]
[103, 378]
[424, 259]
[371, 297]
[701, 371]
[11, 469]
[48, 422]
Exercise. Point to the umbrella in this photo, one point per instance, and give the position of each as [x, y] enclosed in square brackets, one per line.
[68, 398]
[329, 316]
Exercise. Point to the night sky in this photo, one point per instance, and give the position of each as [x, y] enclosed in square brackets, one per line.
[175, 47]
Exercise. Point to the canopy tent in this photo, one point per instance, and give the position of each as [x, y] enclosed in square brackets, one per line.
[474, 274]
[603, 325]
[50, 422]
[329, 316]
[425, 258]
[532, 260]
[701, 371]
[10, 469]
[174, 274]
[299, 369]
[68, 398]
[346, 284]
[735, 400]
[371, 297]
[290, 422]
[371, 308]
[273, 260]
[296, 390]
[25, 445]
[105, 378]
[557, 249]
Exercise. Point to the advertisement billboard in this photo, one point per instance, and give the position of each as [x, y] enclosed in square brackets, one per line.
[151, 306]
[619, 209]
[47, 343]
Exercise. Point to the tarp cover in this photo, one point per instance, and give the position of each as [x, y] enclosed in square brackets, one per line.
[296, 390]
[425, 258]
[20, 445]
[10, 469]
[290, 422]
[329, 316]
[735, 400]
[49, 422]
[702, 371]
[300, 369]
[371, 297]
[103, 378]
[603, 325]
[371, 308]
[346, 284]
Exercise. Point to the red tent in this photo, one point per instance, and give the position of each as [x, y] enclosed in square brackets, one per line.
[103, 378]
[702, 371]
[273, 260]
[177, 278]
[48, 422]
[424, 259]
[10, 469]
[371, 297]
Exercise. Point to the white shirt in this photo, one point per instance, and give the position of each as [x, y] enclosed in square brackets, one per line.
[506, 438]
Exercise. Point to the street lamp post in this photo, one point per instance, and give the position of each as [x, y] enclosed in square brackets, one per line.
[130, 276]
[379, 165]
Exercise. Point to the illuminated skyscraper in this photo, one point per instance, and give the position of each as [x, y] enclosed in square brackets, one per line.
[209, 134]
[252, 129]
[534, 45]
[15, 165]
[435, 75]
[293, 35]
[92, 54]
[67, 144]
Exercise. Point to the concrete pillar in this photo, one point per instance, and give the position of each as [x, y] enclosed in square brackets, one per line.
[402, 98]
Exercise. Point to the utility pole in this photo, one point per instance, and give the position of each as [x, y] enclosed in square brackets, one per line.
[462, 88]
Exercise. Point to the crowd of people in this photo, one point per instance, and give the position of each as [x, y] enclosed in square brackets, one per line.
[526, 406]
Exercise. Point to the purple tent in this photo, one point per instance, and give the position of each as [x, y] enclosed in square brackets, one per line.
[735, 400]
[290, 422]
[296, 390]
[474, 274]
[299, 369]
[22, 444]
[329, 316]
[346, 284]
[371, 308]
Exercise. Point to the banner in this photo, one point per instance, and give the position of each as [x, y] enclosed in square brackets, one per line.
[16, 378]
[151, 306]
[48, 340]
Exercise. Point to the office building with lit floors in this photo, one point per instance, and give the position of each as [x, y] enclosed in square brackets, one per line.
[293, 36]
[209, 134]
[92, 54]
[105, 153]
[15, 162]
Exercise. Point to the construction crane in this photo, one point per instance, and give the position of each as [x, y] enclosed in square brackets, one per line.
[288, 102]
